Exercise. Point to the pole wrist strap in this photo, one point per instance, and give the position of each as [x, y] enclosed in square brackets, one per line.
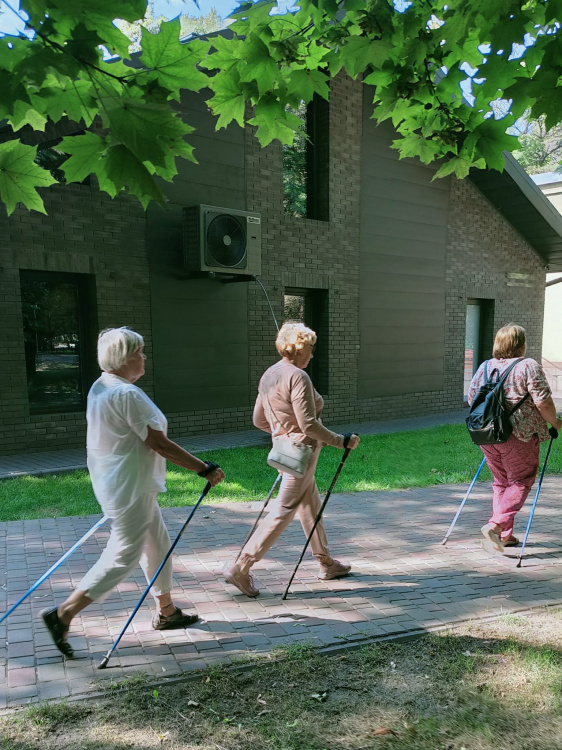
[211, 466]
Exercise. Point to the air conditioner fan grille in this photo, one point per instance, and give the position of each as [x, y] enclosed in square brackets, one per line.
[226, 240]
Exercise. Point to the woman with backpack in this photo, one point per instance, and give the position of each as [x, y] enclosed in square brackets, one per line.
[514, 463]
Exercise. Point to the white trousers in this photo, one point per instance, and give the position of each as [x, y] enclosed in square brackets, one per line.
[138, 535]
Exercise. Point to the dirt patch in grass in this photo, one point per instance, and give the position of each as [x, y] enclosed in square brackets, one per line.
[492, 686]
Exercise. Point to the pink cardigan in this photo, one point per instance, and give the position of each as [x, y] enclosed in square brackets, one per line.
[288, 404]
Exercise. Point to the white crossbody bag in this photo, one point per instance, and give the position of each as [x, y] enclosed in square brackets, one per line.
[287, 455]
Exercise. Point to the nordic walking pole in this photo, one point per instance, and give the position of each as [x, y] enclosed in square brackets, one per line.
[267, 499]
[52, 569]
[552, 430]
[346, 453]
[107, 657]
[465, 498]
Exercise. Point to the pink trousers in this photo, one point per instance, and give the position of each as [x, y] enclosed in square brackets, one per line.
[295, 496]
[514, 466]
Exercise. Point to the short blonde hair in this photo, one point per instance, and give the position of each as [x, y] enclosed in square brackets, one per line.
[116, 345]
[292, 338]
[510, 341]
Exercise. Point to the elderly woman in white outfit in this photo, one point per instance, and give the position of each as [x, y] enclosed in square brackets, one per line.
[127, 450]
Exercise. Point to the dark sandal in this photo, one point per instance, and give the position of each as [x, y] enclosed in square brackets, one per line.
[58, 630]
[177, 621]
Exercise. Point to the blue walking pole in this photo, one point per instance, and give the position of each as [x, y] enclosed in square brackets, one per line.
[465, 498]
[532, 511]
[107, 657]
[52, 569]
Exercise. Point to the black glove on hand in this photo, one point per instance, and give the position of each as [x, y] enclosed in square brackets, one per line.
[553, 432]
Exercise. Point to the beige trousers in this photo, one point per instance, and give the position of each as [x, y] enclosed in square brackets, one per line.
[295, 496]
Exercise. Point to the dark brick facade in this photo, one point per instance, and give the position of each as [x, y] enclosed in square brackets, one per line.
[87, 232]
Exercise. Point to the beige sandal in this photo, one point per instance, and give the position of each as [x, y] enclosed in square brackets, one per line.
[491, 533]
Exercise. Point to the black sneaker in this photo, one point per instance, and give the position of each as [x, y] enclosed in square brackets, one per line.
[58, 630]
[177, 621]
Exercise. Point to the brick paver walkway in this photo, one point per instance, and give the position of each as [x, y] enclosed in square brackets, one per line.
[403, 580]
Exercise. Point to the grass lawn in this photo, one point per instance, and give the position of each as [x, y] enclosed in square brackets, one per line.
[440, 455]
[488, 686]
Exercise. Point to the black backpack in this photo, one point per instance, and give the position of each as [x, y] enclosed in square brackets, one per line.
[489, 421]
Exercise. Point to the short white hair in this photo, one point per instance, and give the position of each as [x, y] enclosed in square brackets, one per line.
[116, 345]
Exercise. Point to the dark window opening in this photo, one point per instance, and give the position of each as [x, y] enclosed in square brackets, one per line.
[479, 337]
[57, 311]
[306, 163]
[310, 306]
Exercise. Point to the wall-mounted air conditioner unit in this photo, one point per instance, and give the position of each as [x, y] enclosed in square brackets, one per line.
[222, 240]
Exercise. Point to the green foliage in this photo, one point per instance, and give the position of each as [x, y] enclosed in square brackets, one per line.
[64, 73]
[414, 60]
[540, 150]
[294, 169]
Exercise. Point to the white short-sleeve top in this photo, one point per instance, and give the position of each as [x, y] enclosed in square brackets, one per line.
[122, 467]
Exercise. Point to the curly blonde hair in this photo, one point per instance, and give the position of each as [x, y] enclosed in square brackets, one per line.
[292, 338]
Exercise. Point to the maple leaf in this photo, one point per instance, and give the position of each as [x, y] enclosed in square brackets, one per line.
[85, 152]
[229, 103]
[124, 169]
[20, 176]
[174, 63]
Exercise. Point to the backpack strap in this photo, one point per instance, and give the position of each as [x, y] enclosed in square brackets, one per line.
[509, 369]
[503, 379]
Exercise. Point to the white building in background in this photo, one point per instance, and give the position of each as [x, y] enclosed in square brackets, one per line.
[550, 184]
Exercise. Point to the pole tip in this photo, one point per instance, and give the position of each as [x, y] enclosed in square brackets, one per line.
[518, 564]
[104, 662]
[444, 541]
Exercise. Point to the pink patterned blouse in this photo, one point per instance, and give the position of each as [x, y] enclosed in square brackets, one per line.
[526, 377]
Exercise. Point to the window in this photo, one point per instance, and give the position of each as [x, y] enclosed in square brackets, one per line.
[306, 163]
[478, 337]
[310, 306]
[56, 339]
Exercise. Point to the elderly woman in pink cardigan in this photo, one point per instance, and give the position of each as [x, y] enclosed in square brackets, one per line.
[295, 406]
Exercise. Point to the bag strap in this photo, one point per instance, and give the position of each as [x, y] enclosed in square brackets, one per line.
[272, 413]
[526, 396]
[489, 379]
[509, 369]
[503, 379]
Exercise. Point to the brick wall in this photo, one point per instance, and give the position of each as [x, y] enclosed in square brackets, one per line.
[84, 232]
[303, 253]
